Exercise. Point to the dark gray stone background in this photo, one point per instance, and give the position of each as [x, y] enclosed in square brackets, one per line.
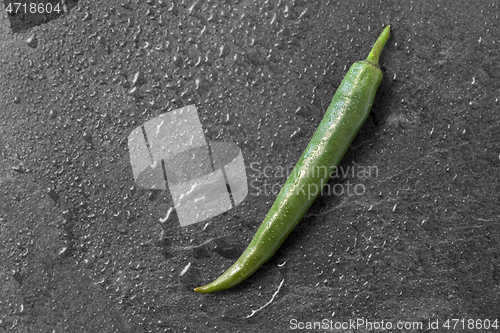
[81, 247]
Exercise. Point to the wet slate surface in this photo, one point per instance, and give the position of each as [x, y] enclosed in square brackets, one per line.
[83, 248]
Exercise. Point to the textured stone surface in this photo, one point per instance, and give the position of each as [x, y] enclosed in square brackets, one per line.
[83, 249]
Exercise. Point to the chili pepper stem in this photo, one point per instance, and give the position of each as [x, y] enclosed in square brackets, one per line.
[374, 55]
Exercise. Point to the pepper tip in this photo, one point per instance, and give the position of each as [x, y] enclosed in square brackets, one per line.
[202, 290]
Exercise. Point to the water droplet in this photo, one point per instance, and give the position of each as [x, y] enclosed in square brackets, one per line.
[32, 41]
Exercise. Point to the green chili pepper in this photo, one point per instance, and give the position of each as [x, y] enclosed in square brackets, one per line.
[344, 117]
